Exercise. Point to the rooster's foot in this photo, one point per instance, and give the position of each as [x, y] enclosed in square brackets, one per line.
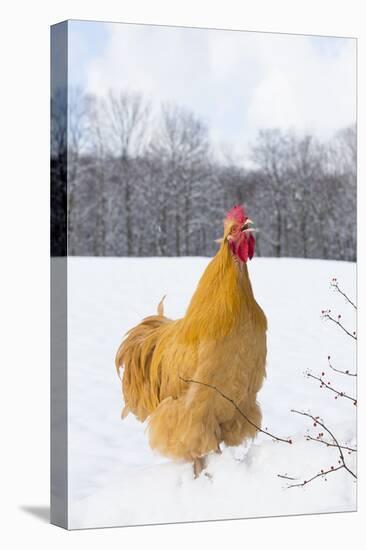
[218, 450]
[199, 464]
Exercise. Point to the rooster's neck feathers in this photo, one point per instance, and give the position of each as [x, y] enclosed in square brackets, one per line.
[223, 299]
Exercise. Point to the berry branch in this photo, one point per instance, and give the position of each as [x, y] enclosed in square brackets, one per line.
[329, 387]
[322, 473]
[328, 444]
[333, 442]
[335, 286]
[326, 315]
[340, 371]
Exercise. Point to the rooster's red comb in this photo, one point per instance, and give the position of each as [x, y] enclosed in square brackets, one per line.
[237, 213]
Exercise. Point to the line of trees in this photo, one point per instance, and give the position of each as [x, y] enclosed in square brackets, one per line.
[147, 182]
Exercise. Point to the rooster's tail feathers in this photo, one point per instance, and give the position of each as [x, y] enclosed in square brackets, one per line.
[135, 354]
[161, 306]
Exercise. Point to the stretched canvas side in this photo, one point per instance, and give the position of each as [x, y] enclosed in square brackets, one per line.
[59, 485]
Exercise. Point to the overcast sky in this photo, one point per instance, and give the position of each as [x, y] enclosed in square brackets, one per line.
[238, 82]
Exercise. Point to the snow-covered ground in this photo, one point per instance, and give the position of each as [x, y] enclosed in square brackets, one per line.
[114, 477]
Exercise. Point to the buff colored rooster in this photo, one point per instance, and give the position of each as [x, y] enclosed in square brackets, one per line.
[221, 341]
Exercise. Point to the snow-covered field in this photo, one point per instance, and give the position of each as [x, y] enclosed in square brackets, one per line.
[114, 477]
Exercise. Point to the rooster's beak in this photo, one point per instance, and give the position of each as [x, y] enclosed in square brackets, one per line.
[246, 225]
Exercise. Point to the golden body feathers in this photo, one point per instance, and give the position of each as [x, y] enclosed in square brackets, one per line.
[220, 341]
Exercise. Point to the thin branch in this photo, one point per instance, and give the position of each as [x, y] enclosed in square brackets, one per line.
[329, 387]
[237, 408]
[286, 477]
[334, 284]
[320, 474]
[326, 315]
[328, 444]
[341, 456]
[340, 371]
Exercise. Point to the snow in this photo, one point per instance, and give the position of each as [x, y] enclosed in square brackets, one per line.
[114, 477]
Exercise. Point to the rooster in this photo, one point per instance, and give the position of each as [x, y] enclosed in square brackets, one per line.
[220, 341]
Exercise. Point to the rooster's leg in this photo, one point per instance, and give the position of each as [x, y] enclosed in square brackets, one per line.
[199, 464]
[218, 450]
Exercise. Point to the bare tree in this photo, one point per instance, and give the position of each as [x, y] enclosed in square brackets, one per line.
[181, 144]
[342, 171]
[304, 188]
[59, 172]
[121, 162]
[99, 159]
[271, 156]
[77, 140]
[305, 169]
[127, 117]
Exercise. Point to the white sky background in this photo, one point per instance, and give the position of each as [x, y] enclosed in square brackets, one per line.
[237, 82]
